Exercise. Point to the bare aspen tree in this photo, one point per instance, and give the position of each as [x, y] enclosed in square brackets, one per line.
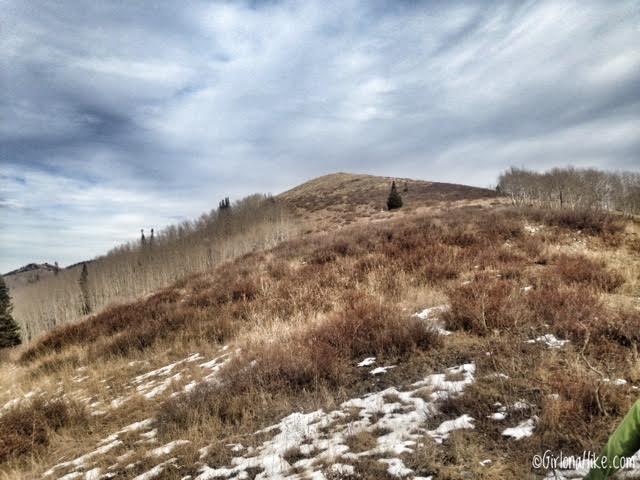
[572, 188]
[132, 270]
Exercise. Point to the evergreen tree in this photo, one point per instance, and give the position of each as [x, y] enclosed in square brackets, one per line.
[395, 200]
[224, 204]
[9, 329]
[85, 308]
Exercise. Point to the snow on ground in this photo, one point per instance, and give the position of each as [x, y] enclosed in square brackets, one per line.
[148, 385]
[442, 432]
[532, 229]
[549, 340]
[498, 416]
[14, 402]
[168, 448]
[617, 381]
[396, 467]
[156, 471]
[397, 418]
[380, 370]
[522, 430]
[82, 460]
[396, 415]
[430, 315]
[367, 362]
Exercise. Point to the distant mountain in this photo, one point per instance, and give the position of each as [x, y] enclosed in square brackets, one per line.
[30, 273]
[31, 267]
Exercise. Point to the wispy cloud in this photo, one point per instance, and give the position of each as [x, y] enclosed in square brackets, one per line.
[121, 116]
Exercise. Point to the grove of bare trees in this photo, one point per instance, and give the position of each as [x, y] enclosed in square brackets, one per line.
[573, 188]
[137, 268]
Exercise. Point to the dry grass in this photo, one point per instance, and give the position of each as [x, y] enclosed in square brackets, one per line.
[304, 313]
[28, 428]
[592, 222]
[484, 305]
[316, 358]
[585, 271]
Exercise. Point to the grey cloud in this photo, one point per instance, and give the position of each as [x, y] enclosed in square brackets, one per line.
[170, 106]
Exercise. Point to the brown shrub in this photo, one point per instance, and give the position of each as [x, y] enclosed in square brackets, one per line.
[325, 352]
[532, 246]
[500, 226]
[368, 327]
[136, 326]
[320, 356]
[230, 285]
[483, 305]
[200, 323]
[28, 426]
[109, 322]
[590, 221]
[434, 263]
[360, 442]
[330, 253]
[582, 270]
[578, 417]
[459, 236]
[622, 327]
[570, 311]
[633, 244]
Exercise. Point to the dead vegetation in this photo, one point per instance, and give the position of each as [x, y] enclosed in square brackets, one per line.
[301, 316]
[28, 428]
[135, 269]
[320, 357]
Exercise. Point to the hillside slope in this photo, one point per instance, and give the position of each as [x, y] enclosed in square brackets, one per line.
[342, 198]
[455, 342]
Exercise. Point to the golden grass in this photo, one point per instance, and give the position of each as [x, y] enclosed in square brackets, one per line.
[308, 309]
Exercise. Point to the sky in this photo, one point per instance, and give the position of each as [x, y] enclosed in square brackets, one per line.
[121, 115]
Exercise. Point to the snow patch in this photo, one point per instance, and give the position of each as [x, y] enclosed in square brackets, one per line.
[381, 370]
[522, 430]
[550, 341]
[321, 437]
[168, 448]
[430, 315]
[396, 467]
[343, 469]
[445, 428]
[367, 362]
[155, 471]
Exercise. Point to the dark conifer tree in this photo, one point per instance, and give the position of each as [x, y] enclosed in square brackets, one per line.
[84, 290]
[224, 204]
[395, 200]
[9, 329]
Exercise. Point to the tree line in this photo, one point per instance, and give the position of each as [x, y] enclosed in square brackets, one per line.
[573, 188]
[140, 267]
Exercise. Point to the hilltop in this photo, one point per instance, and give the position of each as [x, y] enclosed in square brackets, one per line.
[452, 339]
[29, 273]
[340, 199]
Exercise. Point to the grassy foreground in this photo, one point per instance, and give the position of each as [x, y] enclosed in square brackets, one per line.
[283, 330]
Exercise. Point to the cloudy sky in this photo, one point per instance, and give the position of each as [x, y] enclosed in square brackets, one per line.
[117, 115]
